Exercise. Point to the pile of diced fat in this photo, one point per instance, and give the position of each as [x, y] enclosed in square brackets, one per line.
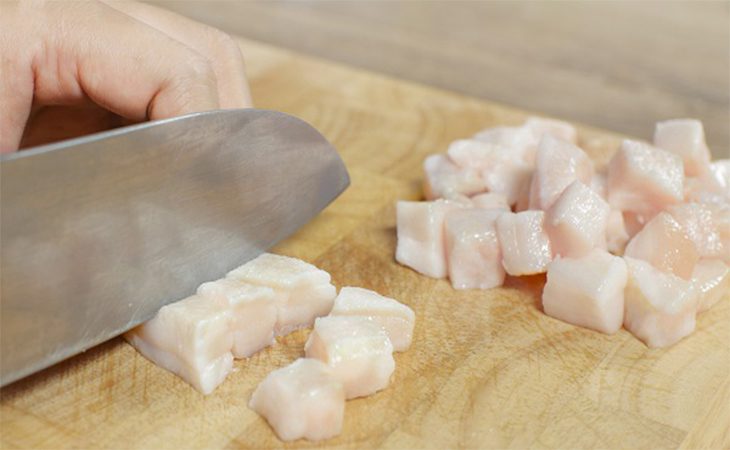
[643, 243]
[349, 353]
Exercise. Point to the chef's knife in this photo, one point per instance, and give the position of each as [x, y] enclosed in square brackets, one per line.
[98, 233]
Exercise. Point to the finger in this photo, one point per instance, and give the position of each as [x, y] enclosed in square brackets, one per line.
[221, 50]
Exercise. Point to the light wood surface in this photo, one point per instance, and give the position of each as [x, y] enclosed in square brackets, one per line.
[617, 65]
[486, 368]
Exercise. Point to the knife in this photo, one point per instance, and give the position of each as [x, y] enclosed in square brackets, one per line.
[98, 233]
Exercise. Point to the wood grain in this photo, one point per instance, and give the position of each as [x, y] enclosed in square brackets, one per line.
[486, 369]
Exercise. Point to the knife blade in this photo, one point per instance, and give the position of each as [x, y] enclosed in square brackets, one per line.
[97, 233]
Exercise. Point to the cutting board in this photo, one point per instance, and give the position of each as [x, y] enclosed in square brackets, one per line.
[486, 368]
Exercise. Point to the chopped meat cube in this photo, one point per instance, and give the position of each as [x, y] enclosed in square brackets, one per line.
[558, 163]
[191, 338]
[665, 245]
[472, 249]
[394, 317]
[509, 178]
[660, 308]
[444, 179]
[521, 142]
[301, 400]
[616, 234]
[524, 242]
[712, 279]
[599, 184]
[698, 222]
[576, 222]
[587, 291]
[557, 128]
[633, 222]
[721, 214]
[303, 292]
[720, 171]
[686, 139]
[253, 313]
[358, 350]
[644, 179]
[490, 200]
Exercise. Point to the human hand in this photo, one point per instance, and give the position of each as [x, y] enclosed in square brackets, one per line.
[108, 60]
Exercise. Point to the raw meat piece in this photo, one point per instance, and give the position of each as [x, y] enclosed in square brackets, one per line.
[358, 350]
[472, 249]
[712, 279]
[577, 221]
[665, 245]
[721, 215]
[303, 292]
[490, 200]
[509, 178]
[599, 184]
[616, 234]
[698, 221]
[686, 139]
[660, 308]
[253, 313]
[520, 142]
[394, 317]
[474, 154]
[191, 338]
[525, 244]
[558, 163]
[421, 235]
[301, 400]
[444, 179]
[644, 179]
[633, 223]
[720, 171]
[587, 291]
[557, 128]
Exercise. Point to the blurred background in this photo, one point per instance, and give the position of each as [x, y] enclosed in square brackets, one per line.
[614, 64]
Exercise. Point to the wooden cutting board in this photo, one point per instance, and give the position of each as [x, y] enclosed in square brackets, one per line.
[486, 369]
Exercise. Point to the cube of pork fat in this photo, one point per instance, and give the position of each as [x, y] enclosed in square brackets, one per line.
[587, 291]
[394, 317]
[191, 338]
[253, 313]
[686, 139]
[420, 228]
[358, 350]
[665, 245]
[301, 400]
[558, 163]
[720, 172]
[712, 279]
[617, 236]
[599, 184]
[660, 308]
[520, 141]
[490, 200]
[444, 179]
[525, 244]
[557, 128]
[644, 179]
[577, 221]
[472, 249]
[698, 222]
[303, 292]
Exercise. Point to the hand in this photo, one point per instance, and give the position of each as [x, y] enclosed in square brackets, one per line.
[112, 62]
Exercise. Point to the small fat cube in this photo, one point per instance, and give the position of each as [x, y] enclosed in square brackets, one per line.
[358, 350]
[490, 200]
[712, 280]
[519, 142]
[472, 249]
[686, 139]
[599, 184]
[587, 291]
[720, 173]
[509, 178]
[303, 292]
[557, 128]
[660, 308]
[664, 244]
[444, 179]
[301, 400]
[558, 163]
[644, 179]
[617, 236]
[577, 221]
[253, 313]
[420, 229]
[191, 338]
[698, 221]
[524, 242]
[394, 317]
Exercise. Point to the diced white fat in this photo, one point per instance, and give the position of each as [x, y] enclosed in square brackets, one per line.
[698, 222]
[191, 338]
[720, 171]
[358, 350]
[634, 222]
[253, 313]
[301, 400]
[587, 291]
[660, 308]
[664, 244]
[721, 213]
[599, 184]
[644, 179]
[444, 179]
[420, 229]
[616, 234]
[303, 292]
[490, 200]
[577, 221]
[712, 280]
[686, 139]
[557, 128]
[524, 242]
[472, 249]
[397, 319]
[521, 142]
[509, 178]
[558, 163]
